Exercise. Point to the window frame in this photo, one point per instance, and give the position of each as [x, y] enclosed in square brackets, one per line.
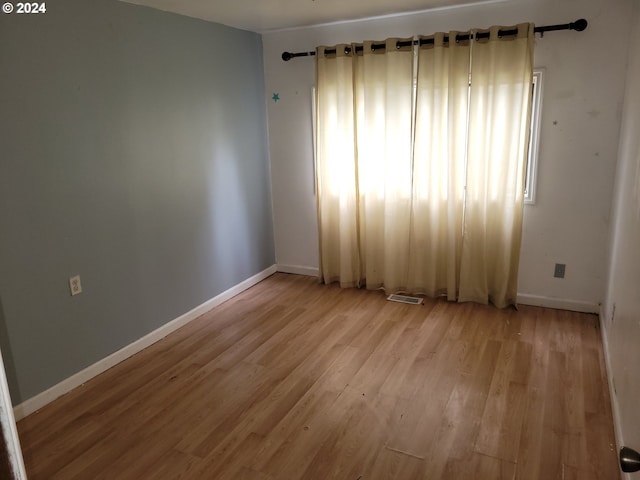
[534, 137]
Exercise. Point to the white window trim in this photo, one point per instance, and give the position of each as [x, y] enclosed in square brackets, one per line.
[313, 135]
[534, 138]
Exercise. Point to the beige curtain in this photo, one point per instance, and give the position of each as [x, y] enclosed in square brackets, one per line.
[499, 118]
[439, 167]
[336, 171]
[420, 173]
[384, 92]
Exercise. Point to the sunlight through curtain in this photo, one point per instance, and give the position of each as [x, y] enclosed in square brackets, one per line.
[420, 165]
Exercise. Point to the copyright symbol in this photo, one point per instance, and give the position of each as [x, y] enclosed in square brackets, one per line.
[7, 7]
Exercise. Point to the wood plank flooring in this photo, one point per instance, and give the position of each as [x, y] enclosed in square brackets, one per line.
[295, 380]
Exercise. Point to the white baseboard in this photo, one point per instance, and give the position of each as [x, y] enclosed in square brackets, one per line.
[615, 409]
[523, 298]
[558, 303]
[31, 405]
[299, 270]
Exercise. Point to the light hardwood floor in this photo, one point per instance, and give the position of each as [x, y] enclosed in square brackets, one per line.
[295, 380]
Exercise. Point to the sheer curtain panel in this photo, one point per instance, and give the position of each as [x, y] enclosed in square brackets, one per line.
[498, 139]
[420, 164]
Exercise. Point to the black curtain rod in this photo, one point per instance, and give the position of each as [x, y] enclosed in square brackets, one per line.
[578, 26]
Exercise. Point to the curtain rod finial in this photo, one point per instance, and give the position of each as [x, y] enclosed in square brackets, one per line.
[286, 56]
[579, 25]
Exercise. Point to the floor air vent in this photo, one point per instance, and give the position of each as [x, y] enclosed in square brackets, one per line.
[405, 299]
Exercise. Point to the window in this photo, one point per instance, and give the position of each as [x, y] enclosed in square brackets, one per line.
[534, 138]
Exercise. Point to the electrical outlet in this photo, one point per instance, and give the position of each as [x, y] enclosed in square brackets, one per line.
[74, 285]
[558, 272]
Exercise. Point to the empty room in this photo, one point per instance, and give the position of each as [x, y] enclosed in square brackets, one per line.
[320, 240]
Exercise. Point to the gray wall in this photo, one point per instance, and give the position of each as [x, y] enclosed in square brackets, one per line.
[133, 152]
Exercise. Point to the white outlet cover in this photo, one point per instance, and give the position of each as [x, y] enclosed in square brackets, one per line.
[74, 285]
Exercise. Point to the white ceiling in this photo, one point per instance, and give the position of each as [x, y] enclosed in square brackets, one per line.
[266, 15]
